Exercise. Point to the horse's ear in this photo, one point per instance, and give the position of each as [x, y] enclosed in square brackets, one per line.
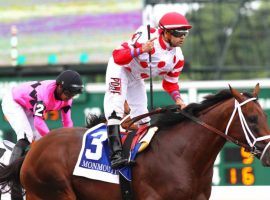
[236, 94]
[256, 90]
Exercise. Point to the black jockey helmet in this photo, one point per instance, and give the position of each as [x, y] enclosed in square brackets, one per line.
[71, 81]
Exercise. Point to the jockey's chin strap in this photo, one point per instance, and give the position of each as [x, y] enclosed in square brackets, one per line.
[248, 133]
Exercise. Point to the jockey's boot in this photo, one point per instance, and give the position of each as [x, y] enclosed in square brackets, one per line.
[19, 150]
[117, 160]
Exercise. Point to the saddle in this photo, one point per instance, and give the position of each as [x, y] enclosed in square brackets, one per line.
[142, 135]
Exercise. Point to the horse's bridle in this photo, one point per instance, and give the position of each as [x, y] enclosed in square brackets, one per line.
[248, 133]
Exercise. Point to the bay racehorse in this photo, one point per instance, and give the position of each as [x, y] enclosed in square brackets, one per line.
[178, 163]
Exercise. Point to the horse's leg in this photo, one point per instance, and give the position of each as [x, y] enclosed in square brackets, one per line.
[64, 194]
[30, 196]
[48, 185]
[51, 192]
[54, 195]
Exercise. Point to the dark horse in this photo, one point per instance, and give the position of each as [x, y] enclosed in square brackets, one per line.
[178, 164]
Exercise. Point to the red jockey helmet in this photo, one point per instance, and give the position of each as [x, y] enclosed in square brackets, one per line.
[174, 20]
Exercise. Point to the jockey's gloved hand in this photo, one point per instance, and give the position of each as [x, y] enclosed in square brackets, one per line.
[180, 103]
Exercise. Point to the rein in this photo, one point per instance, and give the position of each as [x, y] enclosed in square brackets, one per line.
[237, 109]
[194, 119]
[154, 112]
[251, 147]
[247, 132]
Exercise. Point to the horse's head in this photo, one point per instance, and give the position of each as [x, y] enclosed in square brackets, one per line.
[249, 124]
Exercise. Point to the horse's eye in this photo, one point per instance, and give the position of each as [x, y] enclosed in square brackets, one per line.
[252, 119]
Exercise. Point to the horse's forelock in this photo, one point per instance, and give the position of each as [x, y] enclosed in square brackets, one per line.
[249, 95]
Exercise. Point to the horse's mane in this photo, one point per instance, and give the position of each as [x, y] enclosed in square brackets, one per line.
[170, 117]
[93, 120]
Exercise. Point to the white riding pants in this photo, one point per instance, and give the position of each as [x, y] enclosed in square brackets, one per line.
[20, 119]
[121, 86]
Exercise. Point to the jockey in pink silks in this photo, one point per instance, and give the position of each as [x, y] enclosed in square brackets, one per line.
[25, 107]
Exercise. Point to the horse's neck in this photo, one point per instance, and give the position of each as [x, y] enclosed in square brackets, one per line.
[205, 146]
[209, 143]
[190, 138]
[209, 146]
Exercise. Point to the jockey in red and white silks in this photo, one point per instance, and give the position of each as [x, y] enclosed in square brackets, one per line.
[129, 66]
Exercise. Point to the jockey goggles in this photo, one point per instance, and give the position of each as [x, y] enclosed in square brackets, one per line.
[74, 90]
[178, 32]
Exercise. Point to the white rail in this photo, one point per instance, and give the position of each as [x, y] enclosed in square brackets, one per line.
[240, 193]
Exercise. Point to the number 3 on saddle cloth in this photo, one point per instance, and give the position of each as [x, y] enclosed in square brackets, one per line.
[93, 161]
